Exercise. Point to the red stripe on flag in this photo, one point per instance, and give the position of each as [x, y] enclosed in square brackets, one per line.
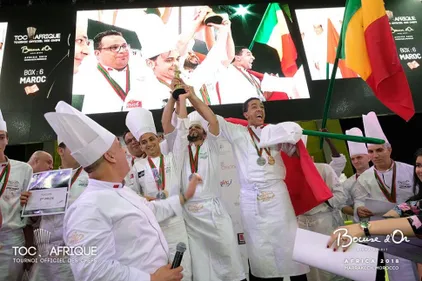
[288, 62]
[387, 80]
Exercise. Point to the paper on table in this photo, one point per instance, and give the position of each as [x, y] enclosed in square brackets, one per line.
[277, 84]
[378, 207]
[358, 263]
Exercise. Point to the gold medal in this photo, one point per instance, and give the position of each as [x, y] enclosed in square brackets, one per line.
[271, 160]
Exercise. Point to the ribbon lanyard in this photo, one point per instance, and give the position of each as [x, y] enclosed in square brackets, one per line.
[391, 197]
[194, 161]
[160, 179]
[205, 96]
[251, 80]
[4, 177]
[258, 150]
[75, 176]
[116, 87]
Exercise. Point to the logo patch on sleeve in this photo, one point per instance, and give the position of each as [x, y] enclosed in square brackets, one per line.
[141, 174]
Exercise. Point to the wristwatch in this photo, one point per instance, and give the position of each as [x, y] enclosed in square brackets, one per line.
[365, 226]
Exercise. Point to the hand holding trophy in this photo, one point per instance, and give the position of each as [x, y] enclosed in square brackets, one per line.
[178, 86]
[213, 18]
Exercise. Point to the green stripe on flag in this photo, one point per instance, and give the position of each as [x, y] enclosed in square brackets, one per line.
[352, 6]
[286, 10]
[268, 22]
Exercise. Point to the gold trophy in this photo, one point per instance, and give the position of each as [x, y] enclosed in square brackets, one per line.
[212, 17]
[178, 88]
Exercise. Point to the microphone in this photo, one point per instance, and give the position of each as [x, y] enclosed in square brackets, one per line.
[180, 249]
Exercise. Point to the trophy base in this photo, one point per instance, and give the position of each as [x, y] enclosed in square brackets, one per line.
[216, 19]
[177, 92]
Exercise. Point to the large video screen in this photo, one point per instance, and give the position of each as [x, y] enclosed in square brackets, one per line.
[3, 31]
[320, 31]
[128, 58]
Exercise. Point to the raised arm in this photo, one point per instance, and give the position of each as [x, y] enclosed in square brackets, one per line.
[339, 197]
[168, 115]
[206, 113]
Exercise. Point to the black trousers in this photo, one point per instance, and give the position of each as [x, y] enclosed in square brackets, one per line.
[292, 278]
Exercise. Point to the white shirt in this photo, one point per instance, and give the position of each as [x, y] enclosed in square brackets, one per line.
[19, 179]
[330, 178]
[99, 95]
[124, 229]
[234, 87]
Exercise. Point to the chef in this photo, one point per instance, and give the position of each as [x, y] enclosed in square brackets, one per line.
[238, 84]
[54, 223]
[15, 177]
[159, 49]
[101, 217]
[265, 205]
[387, 180]
[212, 240]
[326, 217]
[204, 75]
[360, 160]
[157, 177]
[109, 83]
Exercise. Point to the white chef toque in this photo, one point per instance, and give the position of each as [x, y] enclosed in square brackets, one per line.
[196, 119]
[155, 38]
[372, 127]
[3, 125]
[140, 121]
[86, 139]
[356, 148]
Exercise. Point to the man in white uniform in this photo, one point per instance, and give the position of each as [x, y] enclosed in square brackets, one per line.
[109, 83]
[15, 177]
[157, 177]
[387, 180]
[101, 217]
[360, 160]
[54, 223]
[238, 84]
[41, 161]
[214, 249]
[265, 205]
[326, 217]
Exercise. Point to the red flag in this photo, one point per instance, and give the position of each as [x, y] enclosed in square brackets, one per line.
[306, 187]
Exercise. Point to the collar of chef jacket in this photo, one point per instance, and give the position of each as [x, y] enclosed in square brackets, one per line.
[388, 170]
[104, 184]
[110, 69]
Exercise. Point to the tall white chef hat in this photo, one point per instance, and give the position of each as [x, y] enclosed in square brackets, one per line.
[155, 37]
[3, 125]
[196, 119]
[87, 140]
[356, 148]
[140, 121]
[372, 127]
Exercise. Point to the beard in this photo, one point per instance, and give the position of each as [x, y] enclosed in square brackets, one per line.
[193, 138]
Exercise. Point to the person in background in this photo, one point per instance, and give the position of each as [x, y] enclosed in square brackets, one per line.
[15, 177]
[389, 181]
[326, 217]
[41, 161]
[360, 160]
[54, 223]
[212, 239]
[157, 177]
[265, 204]
[101, 217]
[81, 47]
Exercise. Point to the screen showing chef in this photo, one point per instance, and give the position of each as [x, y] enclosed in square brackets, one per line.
[128, 58]
[3, 30]
[320, 29]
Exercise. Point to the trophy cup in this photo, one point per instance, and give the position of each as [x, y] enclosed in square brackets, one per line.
[212, 17]
[179, 87]
[31, 32]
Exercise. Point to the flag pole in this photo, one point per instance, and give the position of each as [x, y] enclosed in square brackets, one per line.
[343, 137]
[259, 26]
[332, 79]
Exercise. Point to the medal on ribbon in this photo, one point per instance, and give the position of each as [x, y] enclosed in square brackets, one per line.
[391, 196]
[4, 178]
[159, 177]
[261, 160]
[193, 160]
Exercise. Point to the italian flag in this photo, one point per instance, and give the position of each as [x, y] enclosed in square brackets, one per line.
[274, 32]
[368, 49]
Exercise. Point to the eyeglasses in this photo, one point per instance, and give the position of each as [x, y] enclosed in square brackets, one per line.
[117, 48]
